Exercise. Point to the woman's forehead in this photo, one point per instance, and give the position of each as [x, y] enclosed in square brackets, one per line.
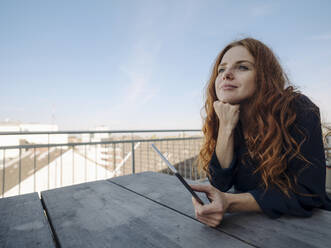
[235, 54]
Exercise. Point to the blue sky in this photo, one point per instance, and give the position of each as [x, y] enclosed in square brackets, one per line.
[144, 64]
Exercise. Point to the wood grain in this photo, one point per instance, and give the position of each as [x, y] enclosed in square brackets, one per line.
[254, 228]
[102, 214]
[23, 223]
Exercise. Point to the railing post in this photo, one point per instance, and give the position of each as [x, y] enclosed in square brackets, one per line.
[3, 172]
[85, 164]
[96, 162]
[19, 171]
[132, 154]
[73, 165]
[61, 175]
[114, 158]
[48, 172]
[34, 169]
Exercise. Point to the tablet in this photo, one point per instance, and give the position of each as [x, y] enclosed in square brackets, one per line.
[181, 179]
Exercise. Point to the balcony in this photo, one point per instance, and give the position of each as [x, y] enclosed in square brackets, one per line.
[67, 158]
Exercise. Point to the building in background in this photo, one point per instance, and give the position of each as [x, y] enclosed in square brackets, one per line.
[16, 140]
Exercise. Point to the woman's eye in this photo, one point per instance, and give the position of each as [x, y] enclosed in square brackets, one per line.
[220, 70]
[243, 68]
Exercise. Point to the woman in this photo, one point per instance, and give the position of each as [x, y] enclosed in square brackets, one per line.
[262, 137]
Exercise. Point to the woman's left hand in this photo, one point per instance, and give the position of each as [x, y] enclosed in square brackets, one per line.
[210, 214]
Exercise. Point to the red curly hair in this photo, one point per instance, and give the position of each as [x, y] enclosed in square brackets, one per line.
[269, 142]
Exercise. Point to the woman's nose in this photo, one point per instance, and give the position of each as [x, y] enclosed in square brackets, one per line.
[228, 75]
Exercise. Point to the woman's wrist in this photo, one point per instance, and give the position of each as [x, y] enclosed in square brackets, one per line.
[243, 202]
[232, 201]
[226, 130]
[224, 135]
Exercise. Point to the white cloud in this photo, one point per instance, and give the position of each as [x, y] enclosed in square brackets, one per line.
[139, 71]
[138, 90]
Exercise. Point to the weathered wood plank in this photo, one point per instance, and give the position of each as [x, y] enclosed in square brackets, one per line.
[254, 228]
[23, 223]
[161, 188]
[102, 214]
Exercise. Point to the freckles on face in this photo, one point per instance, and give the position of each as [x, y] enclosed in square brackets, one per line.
[236, 79]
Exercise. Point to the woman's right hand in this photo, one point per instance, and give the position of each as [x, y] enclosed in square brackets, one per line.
[227, 114]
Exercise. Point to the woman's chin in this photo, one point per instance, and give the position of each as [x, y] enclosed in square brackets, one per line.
[229, 100]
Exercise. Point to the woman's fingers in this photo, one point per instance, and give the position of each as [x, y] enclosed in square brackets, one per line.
[202, 188]
[228, 114]
[210, 209]
[196, 204]
[209, 221]
[208, 214]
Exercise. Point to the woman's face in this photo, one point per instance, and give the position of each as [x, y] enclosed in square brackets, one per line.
[236, 79]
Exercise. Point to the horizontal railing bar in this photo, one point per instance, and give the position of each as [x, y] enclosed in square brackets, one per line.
[100, 131]
[94, 143]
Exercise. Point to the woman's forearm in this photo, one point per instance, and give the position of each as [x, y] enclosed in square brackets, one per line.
[243, 202]
[224, 147]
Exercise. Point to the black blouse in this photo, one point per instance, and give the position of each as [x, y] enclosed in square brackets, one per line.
[311, 180]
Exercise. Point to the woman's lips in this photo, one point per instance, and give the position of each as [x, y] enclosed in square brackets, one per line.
[228, 87]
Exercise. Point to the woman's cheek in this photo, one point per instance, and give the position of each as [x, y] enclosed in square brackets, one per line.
[218, 93]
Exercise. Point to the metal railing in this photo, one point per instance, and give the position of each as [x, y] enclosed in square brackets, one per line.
[40, 167]
[183, 131]
[37, 167]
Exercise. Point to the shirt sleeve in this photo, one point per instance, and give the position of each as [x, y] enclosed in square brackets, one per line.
[310, 178]
[220, 178]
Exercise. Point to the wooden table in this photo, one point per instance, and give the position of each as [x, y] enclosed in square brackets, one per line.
[23, 222]
[149, 210]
